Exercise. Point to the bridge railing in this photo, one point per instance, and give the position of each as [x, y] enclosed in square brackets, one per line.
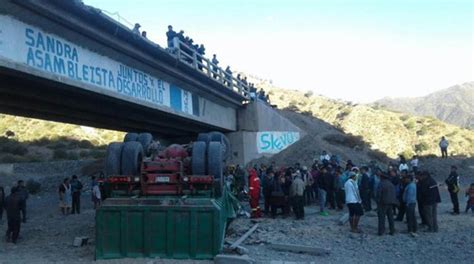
[193, 59]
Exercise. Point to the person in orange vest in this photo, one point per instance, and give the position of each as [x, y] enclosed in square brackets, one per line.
[254, 192]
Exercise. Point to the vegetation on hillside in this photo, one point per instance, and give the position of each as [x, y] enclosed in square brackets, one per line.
[29, 140]
[391, 132]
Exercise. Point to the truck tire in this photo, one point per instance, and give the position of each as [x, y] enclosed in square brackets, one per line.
[130, 137]
[215, 164]
[145, 139]
[198, 158]
[113, 158]
[220, 137]
[204, 137]
[132, 157]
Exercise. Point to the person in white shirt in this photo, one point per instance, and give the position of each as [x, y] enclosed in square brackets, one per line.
[403, 164]
[324, 156]
[414, 163]
[354, 202]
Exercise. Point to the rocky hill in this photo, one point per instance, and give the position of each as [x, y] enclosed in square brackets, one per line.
[26, 140]
[390, 132]
[454, 105]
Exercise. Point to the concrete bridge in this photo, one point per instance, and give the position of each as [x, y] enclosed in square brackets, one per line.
[64, 61]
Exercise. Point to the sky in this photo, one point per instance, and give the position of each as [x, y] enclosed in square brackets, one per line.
[357, 51]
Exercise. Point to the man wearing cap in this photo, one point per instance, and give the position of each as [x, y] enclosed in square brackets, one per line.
[386, 199]
[453, 187]
[296, 195]
[353, 202]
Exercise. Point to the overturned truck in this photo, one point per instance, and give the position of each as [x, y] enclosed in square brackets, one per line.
[169, 204]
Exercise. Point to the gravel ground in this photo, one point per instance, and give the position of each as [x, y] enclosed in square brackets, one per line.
[47, 237]
[452, 244]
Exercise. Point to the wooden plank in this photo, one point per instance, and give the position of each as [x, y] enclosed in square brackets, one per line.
[300, 249]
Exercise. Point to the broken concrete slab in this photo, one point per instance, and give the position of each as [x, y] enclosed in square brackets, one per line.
[233, 259]
[344, 219]
[80, 241]
[301, 249]
[243, 237]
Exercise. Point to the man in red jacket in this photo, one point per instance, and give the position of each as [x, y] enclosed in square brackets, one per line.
[254, 186]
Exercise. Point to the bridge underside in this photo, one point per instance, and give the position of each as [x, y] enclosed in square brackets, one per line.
[26, 95]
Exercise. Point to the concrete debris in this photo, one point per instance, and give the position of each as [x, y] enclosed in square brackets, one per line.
[343, 220]
[233, 259]
[300, 249]
[80, 241]
[243, 237]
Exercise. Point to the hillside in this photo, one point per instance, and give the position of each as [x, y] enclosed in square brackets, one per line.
[26, 139]
[454, 105]
[390, 132]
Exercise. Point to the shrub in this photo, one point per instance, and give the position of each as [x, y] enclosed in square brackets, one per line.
[422, 131]
[377, 155]
[10, 158]
[97, 154]
[308, 94]
[348, 140]
[12, 146]
[407, 154]
[41, 142]
[404, 118]
[423, 146]
[33, 186]
[307, 113]
[343, 114]
[60, 154]
[410, 124]
[84, 153]
[72, 155]
[57, 146]
[85, 144]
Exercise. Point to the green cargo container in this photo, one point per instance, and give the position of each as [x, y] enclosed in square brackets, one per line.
[190, 228]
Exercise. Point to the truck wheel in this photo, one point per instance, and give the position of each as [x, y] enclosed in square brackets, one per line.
[220, 137]
[215, 165]
[113, 159]
[198, 160]
[132, 157]
[130, 137]
[145, 139]
[204, 137]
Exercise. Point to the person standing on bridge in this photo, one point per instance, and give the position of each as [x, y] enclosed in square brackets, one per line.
[136, 28]
[170, 35]
[228, 76]
[254, 193]
[215, 67]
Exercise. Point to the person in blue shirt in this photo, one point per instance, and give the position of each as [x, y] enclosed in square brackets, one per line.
[409, 198]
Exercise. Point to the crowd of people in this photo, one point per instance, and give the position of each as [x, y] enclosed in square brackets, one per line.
[195, 56]
[15, 203]
[394, 191]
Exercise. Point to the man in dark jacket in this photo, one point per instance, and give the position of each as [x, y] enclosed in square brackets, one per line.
[13, 206]
[23, 193]
[76, 188]
[2, 202]
[453, 187]
[364, 189]
[429, 198]
[267, 190]
[386, 199]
